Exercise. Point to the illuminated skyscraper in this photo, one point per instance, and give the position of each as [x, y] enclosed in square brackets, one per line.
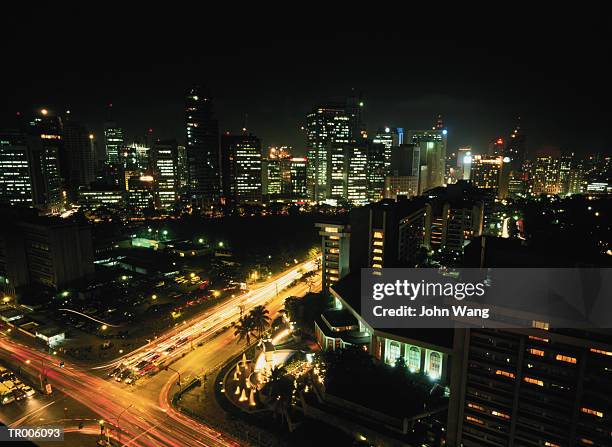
[389, 138]
[356, 169]
[299, 178]
[113, 141]
[432, 144]
[16, 174]
[546, 173]
[164, 163]
[276, 170]
[376, 171]
[486, 172]
[202, 147]
[328, 129]
[242, 168]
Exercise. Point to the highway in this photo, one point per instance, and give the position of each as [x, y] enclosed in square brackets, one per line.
[145, 416]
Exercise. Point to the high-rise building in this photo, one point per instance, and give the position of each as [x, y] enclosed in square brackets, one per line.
[46, 144]
[464, 163]
[335, 247]
[453, 216]
[403, 176]
[389, 138]
[79, 161]
[546, 173]
[164, 163]
[496, 147]
[486, 172]
[432, 145]
[299, 178]
[276, 170]
[16, 169]
[376, 171]
[202, 148]
[113, 142]
[516, 148]
[135, 156]
[182, 167]
[329, 128]
[241, 160]
[356, 169]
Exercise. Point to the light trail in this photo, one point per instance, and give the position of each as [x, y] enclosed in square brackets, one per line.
[87, 316]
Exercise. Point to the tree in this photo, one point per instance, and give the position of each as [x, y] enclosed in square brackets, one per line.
[243, 329]
[260, 319]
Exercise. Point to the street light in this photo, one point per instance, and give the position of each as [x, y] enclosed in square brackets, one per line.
[154, 297]
[104, 327]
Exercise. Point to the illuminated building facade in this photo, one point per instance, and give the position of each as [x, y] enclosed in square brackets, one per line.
[202, 148]
[164, 163]
[389, 137]
[328, 128]
[335, 251]
[356, 169]
[276, 169]
[299, 178]
[94, 198]
[432, 145]
[113, 141]
[546, 170]
[16, 175]
[242, 164]
[376, 171]
[486, 172]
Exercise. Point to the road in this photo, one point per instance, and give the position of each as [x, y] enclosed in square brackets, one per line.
[145, 416]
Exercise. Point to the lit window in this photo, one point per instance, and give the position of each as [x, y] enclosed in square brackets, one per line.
[475, 406]
[378, 243]
[597, 413]
[586, 441]
[331, 230]
[500, 414]
[565, 358]
[473, 419]
[377, 250]
[377, 258]
[602, 352]
[533, 337]
[540, 325]
[533, 381]
[501, 372]
[537, 352]
[378, 234]
[551, 444]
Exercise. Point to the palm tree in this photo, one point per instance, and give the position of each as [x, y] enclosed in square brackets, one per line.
[260, 319]
[243, 329]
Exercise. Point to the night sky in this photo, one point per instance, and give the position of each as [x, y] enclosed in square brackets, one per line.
[558, 84]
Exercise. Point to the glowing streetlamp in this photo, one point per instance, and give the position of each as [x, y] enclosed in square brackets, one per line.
[104, 327]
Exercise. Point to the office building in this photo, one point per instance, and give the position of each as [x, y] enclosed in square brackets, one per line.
[79, 162]
[328, 128]
[276, 170]
[546, 172]
[202, 148]
[356, 174]
[16, 169]
[47, 251]
[113, 142]
[389, 137]
[486, 172]
[164, 164]
[432, 146]
[454, 214]
[299, 178]
[241, 161]
[376, 171]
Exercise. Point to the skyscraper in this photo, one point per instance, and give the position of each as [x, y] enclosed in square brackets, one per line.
[328, 129]
[276, 173]
[486, 172]
[376, 171]
[242, 168]
[389, 138]
[79, 161]
[45, 142]
[546, 172]
[16, 164]
[299, 178]
[164, 164]
[356, 169]
[432, 144]
[202, 147]
[113, 141]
